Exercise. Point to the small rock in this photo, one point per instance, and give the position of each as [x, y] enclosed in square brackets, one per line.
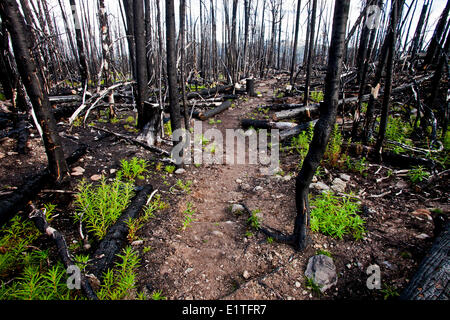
[180, 171]
[297, 284]
[322, 270]
[188, 270]
[137, 243]
[112, 171]
[246, 187]
[2, 155]
[287, 178]
[344, 177]
[348, 265]
[422, 236]
[401, 185]
[389, 265]
[77, 171]
[237, 208]
[217, 233]
[320, 186]
[339, 185]
[246, 274]
[314, 179]
[258, 188]
[96, 177]
[238, 181]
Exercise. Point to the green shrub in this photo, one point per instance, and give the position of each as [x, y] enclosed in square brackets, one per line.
[336, 216]
[100, 206]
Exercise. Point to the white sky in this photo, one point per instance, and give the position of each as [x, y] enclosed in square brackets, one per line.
[289, 11]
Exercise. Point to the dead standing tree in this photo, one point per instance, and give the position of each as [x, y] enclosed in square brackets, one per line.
[22, 46]
[322, 129]
[84, 71]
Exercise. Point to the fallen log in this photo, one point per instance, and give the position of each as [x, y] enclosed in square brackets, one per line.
[17, 200]
[431, 281]
[211, 113]
[397, 160]
[210, 91]
[291, 113]
[135, 141]
[116, 236]
[286, 134]
[266, 124]
[38, 217]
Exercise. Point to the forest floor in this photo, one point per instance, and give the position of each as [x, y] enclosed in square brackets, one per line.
[216, 257]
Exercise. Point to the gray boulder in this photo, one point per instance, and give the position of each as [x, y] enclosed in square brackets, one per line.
[322, 270]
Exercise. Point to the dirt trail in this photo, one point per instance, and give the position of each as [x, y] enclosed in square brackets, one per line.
[212, 258]
[218, 258]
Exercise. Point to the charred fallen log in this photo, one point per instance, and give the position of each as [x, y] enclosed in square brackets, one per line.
[431, 281]
[17, 200]
[266, 124]
[38, 217]
[292, 113]
[115, 239]
[211, 113]
[286, 134]
[135, 141]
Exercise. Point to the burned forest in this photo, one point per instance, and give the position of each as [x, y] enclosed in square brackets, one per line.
[224, 150]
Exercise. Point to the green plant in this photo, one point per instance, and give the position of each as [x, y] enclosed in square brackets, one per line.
[397, 130]
[333, 150]
[188, 214]
[169, 169]
[316, 96]
[269, 240]
[313, 286]
[302, 141]
[120, 281]
[418, 174]
[249, 234]
[336, 216]
[133, 168]
[130, 119]
[185, 187]
[389, 292]
[324, 252]
[157, 295]
[253, 220]
[168, 128]
[357, 165]
[100, 206]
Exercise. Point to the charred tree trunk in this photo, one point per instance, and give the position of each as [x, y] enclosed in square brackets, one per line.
[182, 62]
[26, 65]
[392, 40]
[310, 52]
[84, 73]
[418, 32]
[172, 66]
[294, 50]
[325, 124]
[434, 47]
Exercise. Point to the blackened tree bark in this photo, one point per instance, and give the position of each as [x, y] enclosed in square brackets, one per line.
[434, 47]
[322, 129]
[175, 119]
[310, 51]
[11, 16]
[397, 7]
[418, 32]
[376, 84]
[213, 41]
[141, 61]
[325, 124]
[129, 18]
[294, 50]
[182, 62]
[84, 73]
